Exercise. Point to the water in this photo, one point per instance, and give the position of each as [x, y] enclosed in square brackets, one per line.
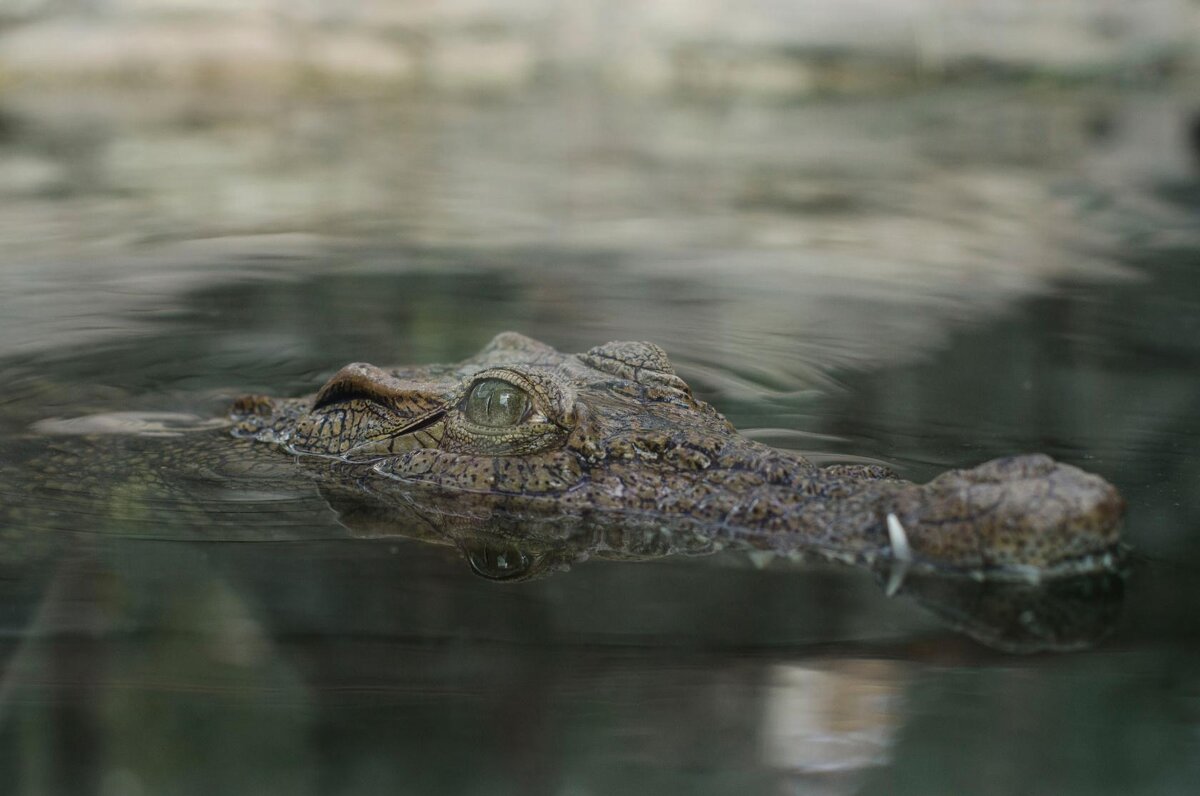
[929, 281]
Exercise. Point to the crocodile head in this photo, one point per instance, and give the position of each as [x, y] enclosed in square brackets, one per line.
[521, 432]
[518, 418]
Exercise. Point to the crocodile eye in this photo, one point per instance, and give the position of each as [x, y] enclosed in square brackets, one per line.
[496, 404]
[498, 563]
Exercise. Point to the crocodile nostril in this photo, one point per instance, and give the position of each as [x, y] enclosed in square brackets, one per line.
[1013, 468]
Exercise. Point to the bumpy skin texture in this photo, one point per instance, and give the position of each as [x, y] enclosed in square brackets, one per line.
[614, 438]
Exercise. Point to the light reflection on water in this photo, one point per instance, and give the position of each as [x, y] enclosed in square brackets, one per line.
[911, 282]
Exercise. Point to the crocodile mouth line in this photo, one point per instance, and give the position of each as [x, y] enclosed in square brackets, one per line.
[1113, 558]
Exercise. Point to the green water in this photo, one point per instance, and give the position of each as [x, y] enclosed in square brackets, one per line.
[930, 282]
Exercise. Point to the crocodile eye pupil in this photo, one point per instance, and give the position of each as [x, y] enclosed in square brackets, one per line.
[496, 404]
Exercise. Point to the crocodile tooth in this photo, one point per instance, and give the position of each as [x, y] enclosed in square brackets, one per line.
[901, 555]
[760, 558]
[899, 539]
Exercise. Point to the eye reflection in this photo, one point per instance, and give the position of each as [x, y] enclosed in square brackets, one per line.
[496, 404]
[498, 562]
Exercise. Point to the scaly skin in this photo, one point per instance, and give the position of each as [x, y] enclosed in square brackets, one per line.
[614, 439]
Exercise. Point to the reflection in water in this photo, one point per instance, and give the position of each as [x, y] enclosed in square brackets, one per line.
[1058, 614]
[826, 718]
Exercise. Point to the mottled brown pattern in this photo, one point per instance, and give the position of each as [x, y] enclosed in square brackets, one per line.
[614, 437]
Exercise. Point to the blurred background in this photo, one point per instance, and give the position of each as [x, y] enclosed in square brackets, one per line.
[926, 232]
[952, 156]
[710, 47]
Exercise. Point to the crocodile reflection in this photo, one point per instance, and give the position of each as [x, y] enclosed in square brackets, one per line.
[1019, 616]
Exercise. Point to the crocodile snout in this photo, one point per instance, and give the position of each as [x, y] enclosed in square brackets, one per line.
[1022, 513]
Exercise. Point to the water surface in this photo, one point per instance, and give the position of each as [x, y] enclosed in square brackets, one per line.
[929, 281]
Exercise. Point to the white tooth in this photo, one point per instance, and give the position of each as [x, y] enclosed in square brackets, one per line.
[901, 555]
[899, 539]
[895, 579]
[760, 558]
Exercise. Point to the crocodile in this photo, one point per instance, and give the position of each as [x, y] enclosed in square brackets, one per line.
[525, 461]
[521, 437]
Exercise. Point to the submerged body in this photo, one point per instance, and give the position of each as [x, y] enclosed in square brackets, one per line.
[522, 433]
